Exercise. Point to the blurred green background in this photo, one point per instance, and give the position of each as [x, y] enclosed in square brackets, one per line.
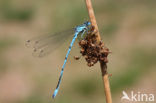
[128, 28]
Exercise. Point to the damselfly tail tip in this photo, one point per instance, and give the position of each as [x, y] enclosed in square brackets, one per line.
[53, 96]
[55, 93]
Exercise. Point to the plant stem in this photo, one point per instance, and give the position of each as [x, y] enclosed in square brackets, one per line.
[102, 64]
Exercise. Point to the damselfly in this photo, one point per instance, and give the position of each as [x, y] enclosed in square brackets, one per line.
[42, 43]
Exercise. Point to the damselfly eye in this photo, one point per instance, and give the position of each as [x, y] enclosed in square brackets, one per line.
[87, 23]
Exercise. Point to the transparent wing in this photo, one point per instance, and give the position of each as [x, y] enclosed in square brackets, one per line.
[45, 44]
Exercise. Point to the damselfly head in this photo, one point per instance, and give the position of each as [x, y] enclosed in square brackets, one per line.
[87, 23]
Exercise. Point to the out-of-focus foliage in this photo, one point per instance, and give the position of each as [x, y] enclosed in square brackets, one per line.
[11, 12]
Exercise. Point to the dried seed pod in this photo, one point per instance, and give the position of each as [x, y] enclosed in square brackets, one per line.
[92, 50]
[76, 57]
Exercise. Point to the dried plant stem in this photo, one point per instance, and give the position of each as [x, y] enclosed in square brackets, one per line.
[102, 64]
[92, 18]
